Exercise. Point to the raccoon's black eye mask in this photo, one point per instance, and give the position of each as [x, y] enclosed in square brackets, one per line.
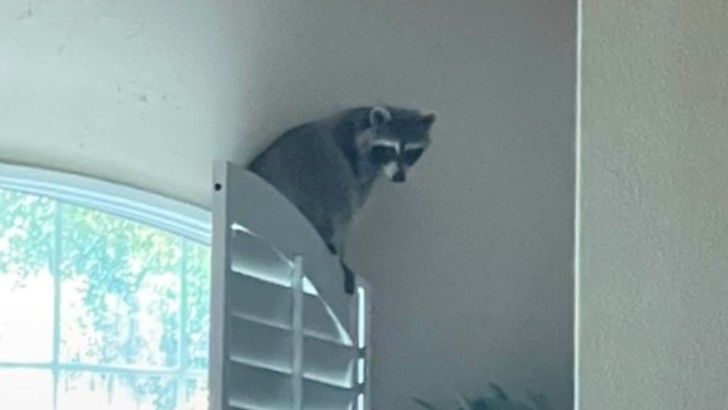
[381, 155]
[412, 155]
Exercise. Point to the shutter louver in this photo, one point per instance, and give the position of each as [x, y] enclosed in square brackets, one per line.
[329, 363]
[277, 341]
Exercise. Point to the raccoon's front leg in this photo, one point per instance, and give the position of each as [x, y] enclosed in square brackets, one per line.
[336, 246]
[349, 276]
[349, 279]
[335, 238]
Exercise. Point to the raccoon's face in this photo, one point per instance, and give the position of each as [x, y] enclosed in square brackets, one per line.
[397, 140]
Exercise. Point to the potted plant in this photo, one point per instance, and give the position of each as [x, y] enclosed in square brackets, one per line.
[498, 400]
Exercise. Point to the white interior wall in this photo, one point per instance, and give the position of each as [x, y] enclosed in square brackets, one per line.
[654, 219]
[471, 259]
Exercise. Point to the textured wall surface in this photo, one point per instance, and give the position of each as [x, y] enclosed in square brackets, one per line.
[654, 202]
[471, 259]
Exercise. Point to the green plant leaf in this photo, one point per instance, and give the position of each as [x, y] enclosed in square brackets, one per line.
[499, 392]
[424, 404]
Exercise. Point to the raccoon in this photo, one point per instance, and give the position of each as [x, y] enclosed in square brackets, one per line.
[326, 168]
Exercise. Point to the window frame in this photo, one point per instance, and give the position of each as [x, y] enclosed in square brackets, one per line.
[187, 221]
[177, 217]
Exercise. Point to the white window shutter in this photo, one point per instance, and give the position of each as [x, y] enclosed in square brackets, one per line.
[284, 334]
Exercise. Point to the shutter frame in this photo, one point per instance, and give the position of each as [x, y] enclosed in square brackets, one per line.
[284, 334]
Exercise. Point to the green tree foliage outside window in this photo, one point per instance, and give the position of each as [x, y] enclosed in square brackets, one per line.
[97, 309]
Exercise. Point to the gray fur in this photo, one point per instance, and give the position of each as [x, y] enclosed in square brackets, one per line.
[327, 167]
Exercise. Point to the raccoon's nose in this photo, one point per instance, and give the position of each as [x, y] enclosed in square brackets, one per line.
[399, 176]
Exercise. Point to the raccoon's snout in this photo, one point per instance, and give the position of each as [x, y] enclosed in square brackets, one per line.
[395, 172]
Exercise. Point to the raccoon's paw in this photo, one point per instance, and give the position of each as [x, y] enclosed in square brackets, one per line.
[349, 279]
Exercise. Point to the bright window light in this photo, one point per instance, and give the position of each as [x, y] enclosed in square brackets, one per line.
[99, 311]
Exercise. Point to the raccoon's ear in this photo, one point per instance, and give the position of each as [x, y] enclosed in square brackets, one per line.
[428, 119]
[379, 116]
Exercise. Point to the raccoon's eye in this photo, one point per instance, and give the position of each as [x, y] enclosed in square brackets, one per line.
[412, 155]
[382, 155]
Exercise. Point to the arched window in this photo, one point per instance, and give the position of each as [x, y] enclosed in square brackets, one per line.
[104, 296]
[108, 302]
